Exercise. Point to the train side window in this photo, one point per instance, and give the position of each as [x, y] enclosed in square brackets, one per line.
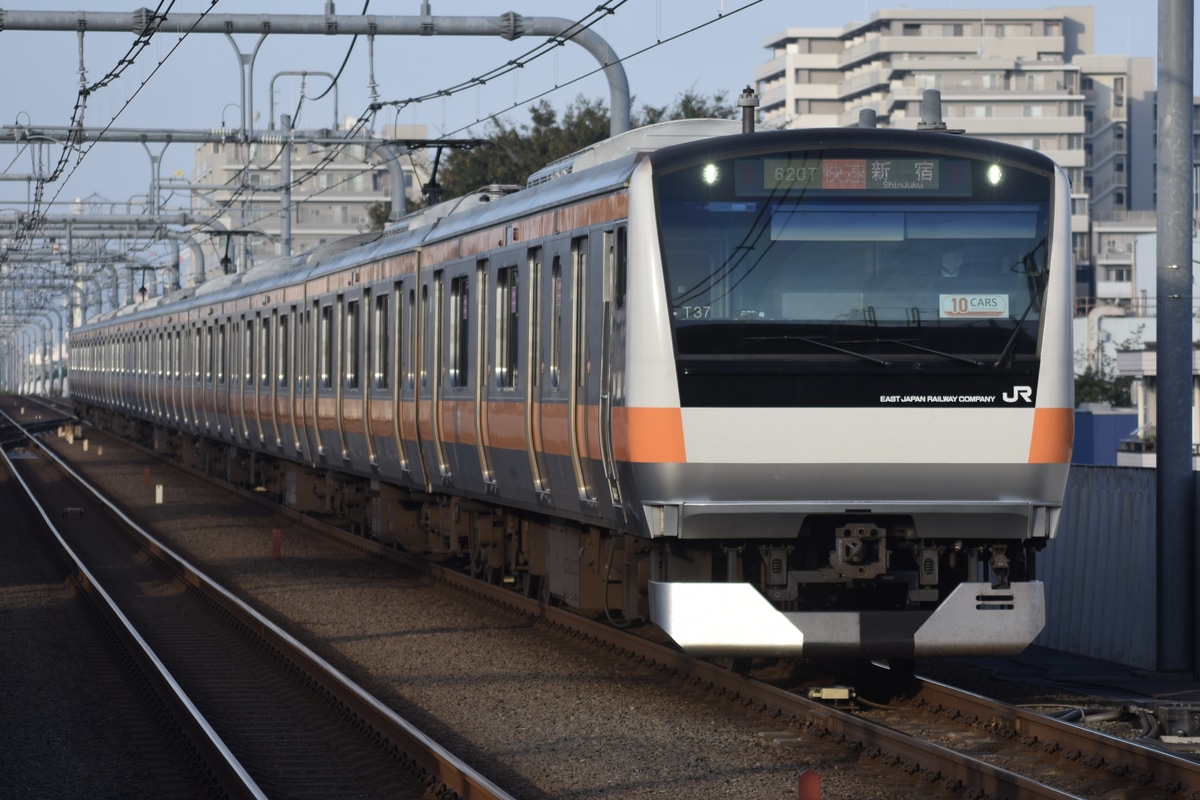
[352, 341]
[555, 321]
[379, 351]
[507, 327]
[460, 315]
[283, 361]
[325, 334]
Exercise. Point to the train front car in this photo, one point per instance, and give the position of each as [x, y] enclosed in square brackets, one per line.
[866, 337]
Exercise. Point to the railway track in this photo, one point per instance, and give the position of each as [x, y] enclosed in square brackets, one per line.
[957, 744]
[269, 717]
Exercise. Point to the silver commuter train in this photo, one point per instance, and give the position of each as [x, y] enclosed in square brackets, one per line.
[799, 393]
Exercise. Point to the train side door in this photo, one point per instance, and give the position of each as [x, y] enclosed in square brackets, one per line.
[612, 352]
[534, 356]
[579, 414]
[483, 437]
[428, 364]
[346, 366]
[435, 353]
[413, 366]
[375, 381]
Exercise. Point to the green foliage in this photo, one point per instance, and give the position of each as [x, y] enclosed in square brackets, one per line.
[1097, 385]
[519, 151]
[1099, 381]
[378, 213]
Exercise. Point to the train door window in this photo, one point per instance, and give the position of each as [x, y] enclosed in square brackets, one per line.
[580, 255]
[264, 351]
[380, 354]
[410, 339]
[304, 352]
[352, 341]
[159, 367]
[283, 363]
[555, 321]
[425, 315]
[507, 327]
[325, 347]
[460, 315]
[178, 355]
[535, 311]
[222, 352]
[248, 354]
[198, 353]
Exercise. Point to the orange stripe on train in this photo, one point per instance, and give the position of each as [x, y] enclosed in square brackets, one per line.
[1053, 433]
[645, 435]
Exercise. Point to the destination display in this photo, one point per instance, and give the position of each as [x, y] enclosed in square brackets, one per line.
[872, 176]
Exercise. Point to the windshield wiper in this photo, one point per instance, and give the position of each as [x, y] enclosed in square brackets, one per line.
[952, 356]
[1005, 356]
[819, 343]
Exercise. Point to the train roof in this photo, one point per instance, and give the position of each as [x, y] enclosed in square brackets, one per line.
[597, 169]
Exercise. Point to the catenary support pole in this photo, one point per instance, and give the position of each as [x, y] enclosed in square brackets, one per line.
[1177, 551]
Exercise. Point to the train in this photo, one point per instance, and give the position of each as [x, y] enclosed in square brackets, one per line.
[784, 394]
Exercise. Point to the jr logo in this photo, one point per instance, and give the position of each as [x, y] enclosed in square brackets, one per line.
[1019, 393]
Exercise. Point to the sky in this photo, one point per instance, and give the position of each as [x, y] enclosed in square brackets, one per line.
[668, 47]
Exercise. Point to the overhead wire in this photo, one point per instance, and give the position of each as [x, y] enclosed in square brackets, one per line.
[74, 143]
[599, 13]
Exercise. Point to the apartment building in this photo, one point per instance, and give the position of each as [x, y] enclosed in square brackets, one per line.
[1026, 77]
[332, 191]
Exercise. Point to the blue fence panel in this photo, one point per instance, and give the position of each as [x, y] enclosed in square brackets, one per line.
[1100, 571]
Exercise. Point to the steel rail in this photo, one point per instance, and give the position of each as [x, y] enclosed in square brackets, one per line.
[230, 775]
[443, 766]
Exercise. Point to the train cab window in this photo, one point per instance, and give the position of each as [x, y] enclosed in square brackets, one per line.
[460, 315]
[507, 327]
[894, 254]
[351, 353]
[381, 331]
[555, 320]
[325, 347]
[282, 354]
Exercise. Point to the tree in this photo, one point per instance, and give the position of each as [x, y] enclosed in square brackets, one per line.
[518, 152]
[1099, 381]
[378, 214]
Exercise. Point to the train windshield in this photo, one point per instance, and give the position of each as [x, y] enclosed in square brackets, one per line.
[864, 252]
